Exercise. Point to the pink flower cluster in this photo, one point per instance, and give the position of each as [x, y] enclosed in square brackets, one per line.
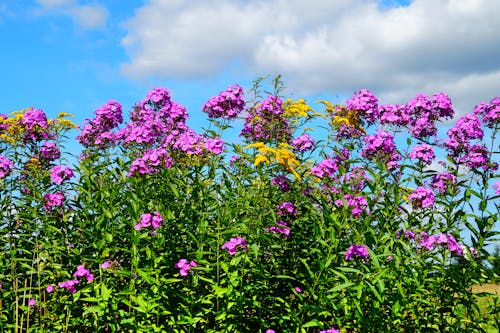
[490, 112]
[444, 181]
[50, 151]
[227, 104]
[357, 251]
[421, 197]
[184, 266]
[81, 272]
[36, 125]
[357, 204]
[233, 244]
[303, 143]
[281, 228]
[330, 330]
[53, 200]
[151, 162]
[5, 166]
[265, 122]
[365, 104]
[154, 220]
[60, 173]
[98, 132]
[423, 152]
[282, 182]
[381, 146]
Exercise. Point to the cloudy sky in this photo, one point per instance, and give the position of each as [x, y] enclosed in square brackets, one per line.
[74, 55]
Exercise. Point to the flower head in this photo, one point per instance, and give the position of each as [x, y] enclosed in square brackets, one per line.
[355, 250]
[60, 173]
[234, 243]
[422, 197]
[184, 266]
[227, 104]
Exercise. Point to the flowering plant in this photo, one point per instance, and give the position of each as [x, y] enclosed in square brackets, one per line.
[293, 230]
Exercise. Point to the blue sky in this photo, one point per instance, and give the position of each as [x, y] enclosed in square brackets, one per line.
[74, 55]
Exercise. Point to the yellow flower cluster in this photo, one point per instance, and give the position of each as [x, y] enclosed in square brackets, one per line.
[298, 109]
[340, 115]
[281, 155]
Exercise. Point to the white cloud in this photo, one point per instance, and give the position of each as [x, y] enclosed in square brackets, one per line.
[323, 46]
[85, 16]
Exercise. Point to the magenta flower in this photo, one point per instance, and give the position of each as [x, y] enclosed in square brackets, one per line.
[106, 264]
[5, 166]
[355, 250]
[184, 266]
[227, 105]
[81, 271]
[297, 289]
[270, 331]
[443, 181]
[69, 285]
[281, 229]
[423, 152]
[303, 143]
[427, 241]
[50, 151]
[331, 330]
[326, 167]
[381, 146]
[53, 200]
[282, 182]
[496, 186]
[421, 197]
[365, 104]
[286, 208]
[98, 131]
[357, 204]
[154, 220]
[490, 112]
[151, 162]
[31, 302]
[58, 174]
[234, 243]
[478, 156]
[49, 288]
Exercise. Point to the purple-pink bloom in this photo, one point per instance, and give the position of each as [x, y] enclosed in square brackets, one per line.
[365, 104]
[281, 229]
[421, 197]
[381, 146]
[327, 167]
[478, 156]
[286, 208]
[49, 288]
[270, 331]
[60, 173]
[50, 151]
[357, 250]
[69, 285]
[154, 220]
[443, 181]
[490, 112]
[81, 271]
[184, 266]
[303, 143]
[5, 166]
[496, 186]
[357, 204]
[423, 152]
[234, 243]
[331, 330]
[454, 246]
[282, 182]
[427, 241]
[227, 104]
[106, 264]
[53, 200]
[31, 302]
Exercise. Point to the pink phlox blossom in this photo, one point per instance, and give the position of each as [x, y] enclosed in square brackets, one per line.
[60, 173]
[427, 241]
[154, 220]
[234, 243]
[282, 182]
[69, 285]
[184, 266]
[50, 151]
[357, 250]
[478, 156]
[423, 152]
[227, 104]
[365, 104]
[393, 114]
[357, 204]
[381, 146]
[490, 112]
[326, 167]
[421, 197]
[81, 271]
[31, 302]
[53, 200]
[496, 187]
[331, 330]
[443, 181]
[5, 166]
[282, 228]
[151, 162]
[303, 143]
[49, 288]
[286, 208]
